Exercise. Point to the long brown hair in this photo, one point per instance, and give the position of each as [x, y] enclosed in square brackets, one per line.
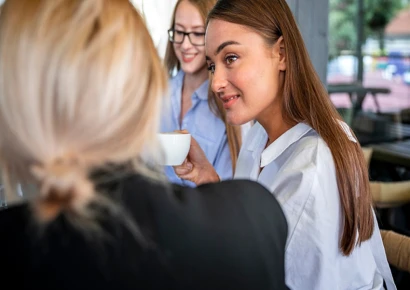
[172, 63]
[306, 100]
[233, 133]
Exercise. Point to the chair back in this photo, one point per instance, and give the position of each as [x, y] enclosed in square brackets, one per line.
[397, 249]
[367, 152]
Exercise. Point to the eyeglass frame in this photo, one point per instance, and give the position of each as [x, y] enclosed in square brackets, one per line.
[171, 38]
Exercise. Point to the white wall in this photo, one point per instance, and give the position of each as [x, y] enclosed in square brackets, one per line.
[157, 14]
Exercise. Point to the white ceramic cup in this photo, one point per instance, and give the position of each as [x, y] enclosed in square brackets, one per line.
[175, 147]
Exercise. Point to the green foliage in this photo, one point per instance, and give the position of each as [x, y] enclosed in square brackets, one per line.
[343, 22]
[381, 12]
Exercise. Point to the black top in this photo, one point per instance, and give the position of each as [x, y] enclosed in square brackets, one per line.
[229, 235]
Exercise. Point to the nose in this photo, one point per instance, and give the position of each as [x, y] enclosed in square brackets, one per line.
[186, 44]
[218, 81]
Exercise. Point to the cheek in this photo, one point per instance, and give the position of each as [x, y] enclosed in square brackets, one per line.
[265, 83]
[176, 50]
[251, 83]
[201, 54]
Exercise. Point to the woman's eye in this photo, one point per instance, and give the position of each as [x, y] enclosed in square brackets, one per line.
[211, 68]
[230, 59]
[179, 32]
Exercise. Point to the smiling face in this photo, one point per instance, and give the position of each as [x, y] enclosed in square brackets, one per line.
[247, 73]
[191, 57]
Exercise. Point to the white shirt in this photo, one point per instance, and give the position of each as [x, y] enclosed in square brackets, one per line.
[245, 128]
[298, 169]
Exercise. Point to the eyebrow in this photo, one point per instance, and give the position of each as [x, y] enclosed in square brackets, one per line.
[194, 27]
[222, 46]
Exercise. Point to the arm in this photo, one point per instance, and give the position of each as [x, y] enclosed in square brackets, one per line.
[306, 187]
[312, 246]
[228, 235]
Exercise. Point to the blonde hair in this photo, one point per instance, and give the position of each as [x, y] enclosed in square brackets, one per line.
[80, 87]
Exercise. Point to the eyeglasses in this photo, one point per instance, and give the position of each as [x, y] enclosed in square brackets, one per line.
[177, 37]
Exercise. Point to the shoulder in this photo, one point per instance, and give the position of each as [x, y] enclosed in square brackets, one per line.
[311, 148]
[205, 202]
[240, 195]
[217, 231]
[298, 168]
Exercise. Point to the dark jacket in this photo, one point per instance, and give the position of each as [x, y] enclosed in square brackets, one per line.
[229, 235]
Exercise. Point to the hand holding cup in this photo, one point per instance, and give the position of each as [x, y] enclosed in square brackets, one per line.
[196, 167]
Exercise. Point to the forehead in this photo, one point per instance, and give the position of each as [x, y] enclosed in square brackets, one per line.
[188, 15]
[220, 31]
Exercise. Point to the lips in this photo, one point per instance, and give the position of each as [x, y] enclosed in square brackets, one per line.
[187, 58]
[229, 100]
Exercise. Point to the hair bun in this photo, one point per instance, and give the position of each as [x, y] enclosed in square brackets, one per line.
[64, 186]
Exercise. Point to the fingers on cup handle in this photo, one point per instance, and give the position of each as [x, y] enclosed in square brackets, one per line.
[184, 131]
[190, 176]
[185, 168]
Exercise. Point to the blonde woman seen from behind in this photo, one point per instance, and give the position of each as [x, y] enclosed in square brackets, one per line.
[76, 127]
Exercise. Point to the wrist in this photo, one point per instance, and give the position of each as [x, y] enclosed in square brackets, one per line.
[211, 177]
[215, 177]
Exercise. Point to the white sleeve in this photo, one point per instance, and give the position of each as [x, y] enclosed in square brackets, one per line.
[306, 187]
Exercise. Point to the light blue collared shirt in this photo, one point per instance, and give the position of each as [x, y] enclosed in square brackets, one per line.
[207, 129]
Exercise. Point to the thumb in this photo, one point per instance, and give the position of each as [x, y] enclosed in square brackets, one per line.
[184, 131]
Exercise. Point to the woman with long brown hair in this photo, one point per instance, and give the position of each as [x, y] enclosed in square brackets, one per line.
[189, 91]
[299, 147]
[76, 128]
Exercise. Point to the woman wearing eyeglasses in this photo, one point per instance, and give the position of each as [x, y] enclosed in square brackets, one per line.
[189, 108]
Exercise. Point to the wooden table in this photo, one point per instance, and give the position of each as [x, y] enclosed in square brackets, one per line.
[393, 132]
[357, 94]
[371, 128]
[396, 153]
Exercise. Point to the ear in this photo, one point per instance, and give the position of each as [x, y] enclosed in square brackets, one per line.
[279, 48]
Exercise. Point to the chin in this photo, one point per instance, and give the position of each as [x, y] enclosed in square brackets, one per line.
[191, 68]
[235, 119]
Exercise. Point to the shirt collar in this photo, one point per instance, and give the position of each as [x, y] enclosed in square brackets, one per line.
[275, 149]
[260, 137]
[202, 91]
[177, 80]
